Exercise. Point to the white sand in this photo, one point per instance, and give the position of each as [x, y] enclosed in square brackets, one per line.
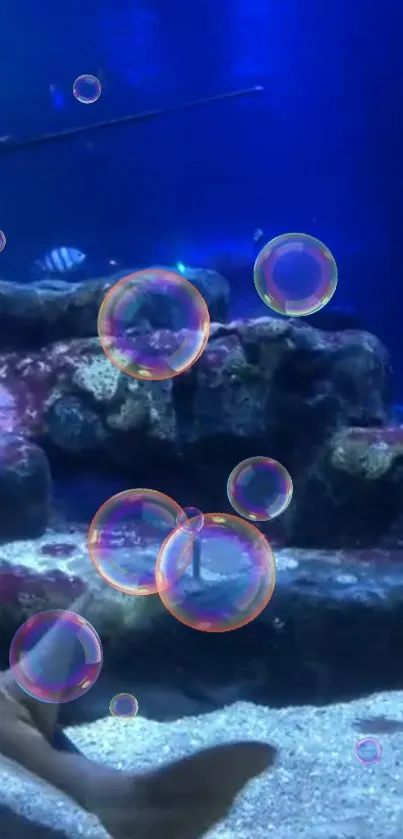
[319, 790]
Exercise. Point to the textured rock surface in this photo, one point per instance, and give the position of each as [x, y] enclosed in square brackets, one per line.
[25, 488]
[333, 628]
[272, 387]
[41, 313]
[354, 495]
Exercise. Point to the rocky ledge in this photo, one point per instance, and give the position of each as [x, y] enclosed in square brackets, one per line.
[37, 314]
[333, 629]
[269, 387]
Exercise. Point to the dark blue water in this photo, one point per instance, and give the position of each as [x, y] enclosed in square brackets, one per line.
[318, 151]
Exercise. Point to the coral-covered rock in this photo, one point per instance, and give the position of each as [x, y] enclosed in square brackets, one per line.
[37, 314]
[254, 376]
[332, 630]
[367, 453]
[25, 488]
[353, 495]
[270, 386]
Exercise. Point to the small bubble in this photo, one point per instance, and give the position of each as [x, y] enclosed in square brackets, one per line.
[259, 488]
[368, 751]
[191, 519]
[123, 705]
[3, 241]
[295, 274]
[87, 89]
[56, 656]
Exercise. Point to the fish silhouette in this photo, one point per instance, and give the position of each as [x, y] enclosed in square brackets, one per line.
[179, 800]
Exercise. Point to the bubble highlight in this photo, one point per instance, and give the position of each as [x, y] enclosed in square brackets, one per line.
[238, 574]
[125, 536]
[295, 274]
[153, 324]
[3, 240]
[259, 488]
[56, 656]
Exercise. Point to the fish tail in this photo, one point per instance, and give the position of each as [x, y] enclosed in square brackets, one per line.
[185, 798]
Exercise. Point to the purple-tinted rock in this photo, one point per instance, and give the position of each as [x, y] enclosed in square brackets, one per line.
[24, 592]
[25, 488]
[271, 386]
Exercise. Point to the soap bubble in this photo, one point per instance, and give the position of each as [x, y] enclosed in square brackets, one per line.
[56, 656]
[238, 574]
[368, 751]
[125, 536]
[123, 705]
[191, 519]
[259, 488]
[295, 274]
[153, 324]
[87, 89]
[3, 241]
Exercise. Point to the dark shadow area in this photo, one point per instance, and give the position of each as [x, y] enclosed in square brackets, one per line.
[16, 826]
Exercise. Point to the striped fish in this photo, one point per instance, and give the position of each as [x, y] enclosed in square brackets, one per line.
[59, 261]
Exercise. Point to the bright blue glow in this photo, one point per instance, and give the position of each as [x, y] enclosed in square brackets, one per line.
[180, 267]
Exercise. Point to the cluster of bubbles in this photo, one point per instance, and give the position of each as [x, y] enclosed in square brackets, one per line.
[87, 89]
[141, 541]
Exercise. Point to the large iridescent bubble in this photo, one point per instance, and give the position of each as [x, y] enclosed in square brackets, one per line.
[259, 488]
[126, 534]
[295, 274]
[153, 324]
[56, 656]
[3, 241]
[237, 577]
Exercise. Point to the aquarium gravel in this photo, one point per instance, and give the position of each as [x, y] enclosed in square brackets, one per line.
[318, 790]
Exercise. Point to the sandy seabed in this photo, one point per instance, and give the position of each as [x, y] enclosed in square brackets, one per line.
[318, 789]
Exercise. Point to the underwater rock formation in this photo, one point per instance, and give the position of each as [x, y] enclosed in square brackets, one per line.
[35, 315]
[272, 387]
[25, 488]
